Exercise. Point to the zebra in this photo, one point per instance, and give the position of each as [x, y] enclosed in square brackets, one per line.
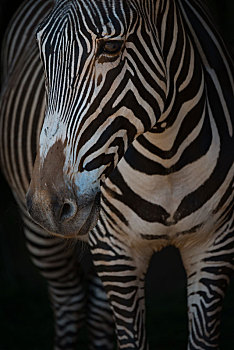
[76, 295]
[138, 134]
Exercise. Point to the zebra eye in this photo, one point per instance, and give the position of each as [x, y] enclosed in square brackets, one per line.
[110, 47]
[113, 46]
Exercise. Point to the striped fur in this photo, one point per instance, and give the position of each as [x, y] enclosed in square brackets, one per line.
[75, 297]
[140, 109]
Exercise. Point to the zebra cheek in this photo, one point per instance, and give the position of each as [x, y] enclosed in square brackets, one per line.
[99, 79]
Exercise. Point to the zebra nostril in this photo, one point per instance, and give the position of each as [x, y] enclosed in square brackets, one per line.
[68, 211]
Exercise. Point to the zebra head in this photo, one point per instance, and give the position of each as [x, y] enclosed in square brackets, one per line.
[105, 83]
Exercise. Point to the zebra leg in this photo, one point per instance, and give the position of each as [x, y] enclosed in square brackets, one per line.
[122, 270]
[99, 316]
[209, 268]
[100, 323]
[58, 265]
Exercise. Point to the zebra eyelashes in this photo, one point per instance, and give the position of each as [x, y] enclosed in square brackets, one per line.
[109, 47]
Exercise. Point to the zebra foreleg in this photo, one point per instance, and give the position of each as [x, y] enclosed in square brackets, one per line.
[58, 265]
[99, 316]
[122, 272]
[208, 270]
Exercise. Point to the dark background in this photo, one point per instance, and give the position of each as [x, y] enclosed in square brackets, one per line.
[25, 316]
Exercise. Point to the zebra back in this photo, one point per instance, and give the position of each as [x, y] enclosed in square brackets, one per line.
[23, 83]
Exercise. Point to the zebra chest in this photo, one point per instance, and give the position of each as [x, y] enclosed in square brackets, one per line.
[161, 208]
